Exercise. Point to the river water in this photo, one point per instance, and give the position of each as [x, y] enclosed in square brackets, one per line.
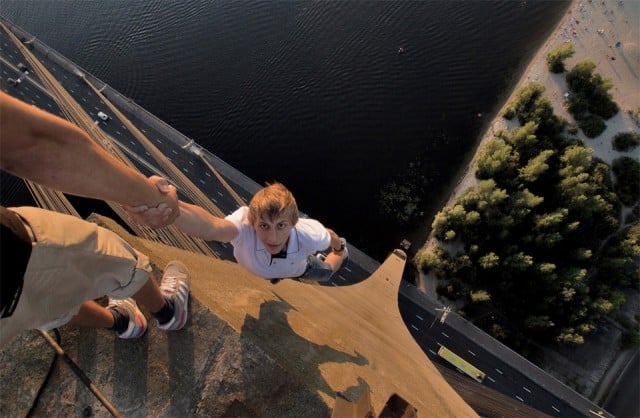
[314, 94]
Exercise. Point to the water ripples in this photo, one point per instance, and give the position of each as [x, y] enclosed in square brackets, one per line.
[313, 94]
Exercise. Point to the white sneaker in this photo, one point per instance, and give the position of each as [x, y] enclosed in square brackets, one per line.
[175, 285]
[137, 322]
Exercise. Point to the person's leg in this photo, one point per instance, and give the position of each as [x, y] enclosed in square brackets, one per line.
[168, 303]
[317, 271]
[92, 315]
[103, 263]
[149, 296]
[121, 316]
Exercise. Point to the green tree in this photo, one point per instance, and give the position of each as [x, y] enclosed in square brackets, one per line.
[592, 125]
[618, 264]
[592, 89]
[570, 336]
[535, 167]
[538, 322]
[497, 159]
[524, 141]
[585, 190]
[518, 262]
[478, 296]
[627, 184]
[579, 79]
[625, 141]
[489, 261]
[536, 232]
[556, 57]
[522, 204]
[526, 101]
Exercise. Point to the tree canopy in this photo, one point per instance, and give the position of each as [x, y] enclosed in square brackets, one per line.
[534, 238]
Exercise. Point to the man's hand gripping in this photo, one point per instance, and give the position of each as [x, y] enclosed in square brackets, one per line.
[165, 211]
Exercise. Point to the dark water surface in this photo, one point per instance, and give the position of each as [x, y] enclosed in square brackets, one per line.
[313, 94]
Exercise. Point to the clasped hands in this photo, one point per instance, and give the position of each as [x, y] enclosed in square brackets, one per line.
[163, 213]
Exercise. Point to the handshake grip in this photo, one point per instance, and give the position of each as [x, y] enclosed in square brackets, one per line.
[160, 213]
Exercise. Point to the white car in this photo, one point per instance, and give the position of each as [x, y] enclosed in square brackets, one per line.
[103, 116]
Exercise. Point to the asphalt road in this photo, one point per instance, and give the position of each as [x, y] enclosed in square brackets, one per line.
[506, 371]
[624, 402]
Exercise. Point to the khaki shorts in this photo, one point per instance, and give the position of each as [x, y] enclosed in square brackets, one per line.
[72, 261]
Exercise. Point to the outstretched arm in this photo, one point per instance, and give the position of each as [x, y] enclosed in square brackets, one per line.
[198, 222]
[193, 220]
[51, 151]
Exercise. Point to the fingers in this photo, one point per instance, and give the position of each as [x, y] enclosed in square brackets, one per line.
[168, 203]
[135, 209]
[161, 183]
[157, 217]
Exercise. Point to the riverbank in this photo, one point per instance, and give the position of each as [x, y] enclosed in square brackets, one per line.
[606, 33]
[619, 22]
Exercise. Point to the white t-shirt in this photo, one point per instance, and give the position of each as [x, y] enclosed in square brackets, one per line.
[307, 237]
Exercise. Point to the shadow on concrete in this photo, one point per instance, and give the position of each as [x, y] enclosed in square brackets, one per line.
[273, 329]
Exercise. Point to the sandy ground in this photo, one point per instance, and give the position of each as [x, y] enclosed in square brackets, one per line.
[595, 28]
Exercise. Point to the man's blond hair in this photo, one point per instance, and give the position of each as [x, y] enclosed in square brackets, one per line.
[273, 201]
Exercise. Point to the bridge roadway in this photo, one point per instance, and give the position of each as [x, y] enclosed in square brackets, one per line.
[506, 371]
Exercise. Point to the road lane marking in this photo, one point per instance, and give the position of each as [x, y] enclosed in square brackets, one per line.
[414, 327]
[519, 398]
[433, 352]
[499, 371]
[555, 409]
[444, 334]
[419, 317]
[472, 353]
[527, 389]
[490, 378]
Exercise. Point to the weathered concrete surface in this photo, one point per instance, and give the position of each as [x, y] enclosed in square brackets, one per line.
[249, 349]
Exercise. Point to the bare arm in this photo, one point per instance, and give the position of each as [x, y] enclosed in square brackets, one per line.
[48, 150]
[335, 239]
[198, 222]
[335, 258]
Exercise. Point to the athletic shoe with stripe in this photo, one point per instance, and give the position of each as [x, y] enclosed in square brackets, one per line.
[175, 285]
[137, 322]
